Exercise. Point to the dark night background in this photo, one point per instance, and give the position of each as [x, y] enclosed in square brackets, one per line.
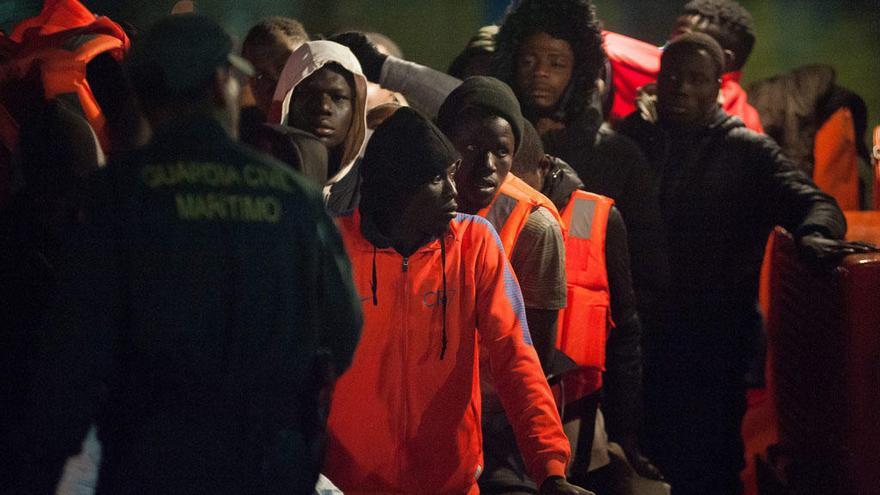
[842, 33]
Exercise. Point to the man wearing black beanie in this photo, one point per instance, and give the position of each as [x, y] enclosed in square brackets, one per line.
[437, 294]
[483, 119]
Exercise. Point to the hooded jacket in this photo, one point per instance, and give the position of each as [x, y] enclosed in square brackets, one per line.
[341, 190]
[795, 104]
[723, 188]
[424, 412]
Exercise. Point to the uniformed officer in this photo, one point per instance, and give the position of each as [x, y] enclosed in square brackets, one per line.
[203, 306]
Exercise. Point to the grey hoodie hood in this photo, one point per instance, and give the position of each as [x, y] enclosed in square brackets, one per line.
[303, 62]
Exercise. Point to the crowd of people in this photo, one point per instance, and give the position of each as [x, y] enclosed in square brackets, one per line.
[314, 266]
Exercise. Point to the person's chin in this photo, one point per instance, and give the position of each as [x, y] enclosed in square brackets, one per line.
[442, 226]
[476, 200]
[677, 117]
[539, 103]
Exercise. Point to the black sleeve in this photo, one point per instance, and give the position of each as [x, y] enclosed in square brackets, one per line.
[340, 306]
[792, 199]
[640, 206]
[622, 390]
[76, 341]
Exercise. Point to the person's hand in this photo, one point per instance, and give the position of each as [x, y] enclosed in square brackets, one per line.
[819, 249]
[641, 464]
[557, 485]
[370, 58]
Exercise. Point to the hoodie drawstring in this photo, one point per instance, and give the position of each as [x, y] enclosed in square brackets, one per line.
[443, 296]
[374, 281]
[443, 338]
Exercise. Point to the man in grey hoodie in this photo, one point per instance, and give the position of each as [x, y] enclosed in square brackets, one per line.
[322, 90]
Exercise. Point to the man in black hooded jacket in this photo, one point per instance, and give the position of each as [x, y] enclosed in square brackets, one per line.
[723, 187]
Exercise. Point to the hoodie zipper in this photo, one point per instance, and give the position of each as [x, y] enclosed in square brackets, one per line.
[404, 268]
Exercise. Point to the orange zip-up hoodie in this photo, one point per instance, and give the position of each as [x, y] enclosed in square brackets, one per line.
[402, 419]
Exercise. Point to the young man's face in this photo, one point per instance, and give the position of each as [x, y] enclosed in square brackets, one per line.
[323, 104]
[486, 144]
[430, 207]
[687, 87]
[544, 66]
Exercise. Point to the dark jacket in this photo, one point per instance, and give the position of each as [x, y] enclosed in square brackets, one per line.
[722, 189]
[622, 389]
[198, 312]
[612, 165]
[795, 104]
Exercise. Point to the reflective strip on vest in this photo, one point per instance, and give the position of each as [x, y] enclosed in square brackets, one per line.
[500, 211]
[582, 218]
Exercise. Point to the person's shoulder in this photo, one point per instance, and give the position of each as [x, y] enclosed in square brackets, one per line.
[634, 127]
[541, 229]
[297, 184]
[749, 140]
[617, 143]
[473, 228]
[541, 219]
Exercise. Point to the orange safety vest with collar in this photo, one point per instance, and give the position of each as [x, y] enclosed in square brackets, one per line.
[586, 320]
[61, 41]
[511, 207]
[62, 59]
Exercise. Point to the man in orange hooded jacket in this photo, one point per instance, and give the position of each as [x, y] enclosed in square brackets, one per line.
[437, 292]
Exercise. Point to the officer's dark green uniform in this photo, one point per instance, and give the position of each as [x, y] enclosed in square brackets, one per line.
[202, 303]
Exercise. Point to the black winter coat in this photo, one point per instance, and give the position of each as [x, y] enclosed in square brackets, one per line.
[612, 165]
[722, 189]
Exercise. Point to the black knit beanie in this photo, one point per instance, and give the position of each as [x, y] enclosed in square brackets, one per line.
[697, 41]
[484, 93]
[404, 152]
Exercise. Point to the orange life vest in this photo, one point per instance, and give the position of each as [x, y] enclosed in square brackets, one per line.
[60, 41]
[586, 320]
[511, 208]
[836, 159]
[62, 60]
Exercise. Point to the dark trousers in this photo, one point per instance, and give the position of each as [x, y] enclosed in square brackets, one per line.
[695, 401]
[505, 471]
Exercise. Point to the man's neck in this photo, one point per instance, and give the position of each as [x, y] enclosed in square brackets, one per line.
[334, 161]
[393, 233]
[548, 124]
[162, 117]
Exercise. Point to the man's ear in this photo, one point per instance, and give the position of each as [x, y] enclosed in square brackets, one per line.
[729, 59]
[544, 165]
